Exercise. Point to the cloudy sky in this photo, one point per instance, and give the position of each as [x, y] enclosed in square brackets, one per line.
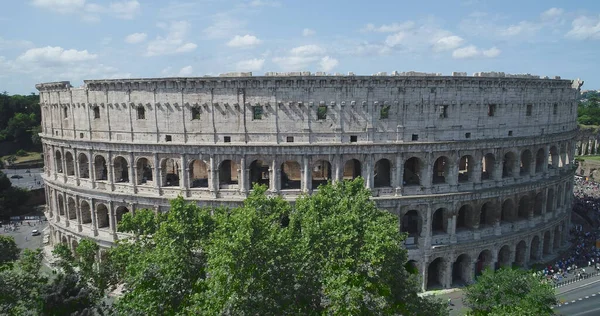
[55, 40]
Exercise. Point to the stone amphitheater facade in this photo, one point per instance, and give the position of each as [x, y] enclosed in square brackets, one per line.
[478, 169]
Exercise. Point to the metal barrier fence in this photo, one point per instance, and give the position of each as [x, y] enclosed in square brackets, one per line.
[575, 279]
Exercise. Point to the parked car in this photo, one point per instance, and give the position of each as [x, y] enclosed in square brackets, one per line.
[16, 176]
[35, 232]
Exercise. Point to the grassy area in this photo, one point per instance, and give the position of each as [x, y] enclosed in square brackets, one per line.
[31, 156]
[594, 158]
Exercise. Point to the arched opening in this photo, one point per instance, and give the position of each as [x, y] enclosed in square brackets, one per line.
[564, 155]
[84, 167]
[383, 171]
[486, 216]
[121, 210]
[72, 209]
[74, 244]
[64, 240]
[435, 273]
[465, 169]
[547, 249]
[438, 222]
[170, 172]
[121, 170]
[100, 171]
[70, 163]
[526, 160]
[102, 216]
[412, 172]
[568, 193]
[86, 214]
[550, 201]
[508, 164]
[487, 167]
[539, 161]
[61, 205]
[465, 218]
[259, 173]
[144, 171]
[321, 173]
[557, 237]
[524, 207]
[553, 158]
[504, 257]
[411, 223]
[484, 261]
[559, 196]
[411, 267]
[228, 174]
[440, 170]
[509, 213]
[534, 252]
[58, 161]
[520, 254]
[539, 204]
[352, 169]
[198, 174]
[291, 176]
[461, 270]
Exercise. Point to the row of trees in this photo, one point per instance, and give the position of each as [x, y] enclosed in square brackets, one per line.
[332, 253]
[13, 200]
[20, 119]
[588, 111]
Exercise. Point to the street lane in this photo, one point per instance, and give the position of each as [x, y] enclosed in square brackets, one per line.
[584, 307]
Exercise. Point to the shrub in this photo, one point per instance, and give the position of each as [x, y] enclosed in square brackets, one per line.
[21, 153]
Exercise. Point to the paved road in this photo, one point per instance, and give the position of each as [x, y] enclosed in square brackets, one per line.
[581, 298]
[31, 180]
[583, 307]
[23, 236]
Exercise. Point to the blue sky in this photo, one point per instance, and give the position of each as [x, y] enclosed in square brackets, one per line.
[55, 40]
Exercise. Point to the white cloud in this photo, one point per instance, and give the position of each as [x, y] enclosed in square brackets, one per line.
[60, 6]
[472, 51]
[55, 55]
[308, 32]
[224, 25]
[300, 58]
[584, 27]
[523, 27]
[389, 28]
[125, 9]
[447, 43]
[11, 44]
[492, 52]
[185, 71]
[307, 50]
[255, 64]
[244, 41]
[135, 38]
[88, 11]
[395, 39]
[327, 63]
[552, 13]
[263, 3]
[173, 43]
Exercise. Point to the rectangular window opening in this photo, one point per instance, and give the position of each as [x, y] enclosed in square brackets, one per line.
[384, 112]
[353, 138]
[257, 112]
[227, 139]
[321, 112]
[141, 113]
[66, 112]
[529, 110]
[509, 133]
[168, 138]
[289, 139]
[443, 111]
[96, 112]
[415, 137]
[467, 135]
[80, 135]
[491, 109]
[555, 109]
[195, 113]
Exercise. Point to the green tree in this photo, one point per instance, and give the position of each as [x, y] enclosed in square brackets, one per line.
[21, 285]
[9, 251]
[510, 292]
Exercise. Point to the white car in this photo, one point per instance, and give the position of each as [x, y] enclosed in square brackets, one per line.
[35, 232]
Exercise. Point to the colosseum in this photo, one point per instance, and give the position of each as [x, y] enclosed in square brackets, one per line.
[478, 168]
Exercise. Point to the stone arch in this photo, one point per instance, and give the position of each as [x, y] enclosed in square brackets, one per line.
[228, 175]
[259, 173]
[64, 240]
[465, 218]
[121, 210]
[84, 167]
[100, 170]
[120, 169]
[441, 168]
[487, 166]
[539, 161]
[521, 253]
[538, 205]
[411, 223]
[550, 201]
[435, 274]
[61, 205]
[486, 215]
[352, 169]
[321, 173]
[547, 240]
[58, 161]
[526, 161]
[102, 216]
[439, 221]
[484, 261]
[461, 270]
[170, 168]
[71, 208]
[534, 253]
[412, 171]
[553, 158]
[524, 208]
[508, 163]
[143, 169]
[70, 163]
[198, 170]
[504, 255]
[509, 211]
[465, 169]
[291, 175]
[383, 173]
[86, 214]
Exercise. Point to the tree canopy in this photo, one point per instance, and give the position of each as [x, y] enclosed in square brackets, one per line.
[20, 115]
[510, 292]
[12, 199]
[588, 111]
[332, 252]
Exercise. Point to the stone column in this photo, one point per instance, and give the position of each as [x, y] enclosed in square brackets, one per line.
[213, 185]
[338, 167]
[306, 175]
[424, 273]
[453, 173]
[132, 174]
[473, 270]
[477, 169]
[452, 228]
[78, 213]
[427, 173]
[157, 173]
[244, 176]
[494, 262]
[94, 217]
[112, 220]
[275, 176]
[64, 164]
[92, 170]
[184, 169]
[111, 168]
[425, 236]
[447, 274]
[498, 169]
[76, 165]
[368, 172]
[527, 253]
[399, 184]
